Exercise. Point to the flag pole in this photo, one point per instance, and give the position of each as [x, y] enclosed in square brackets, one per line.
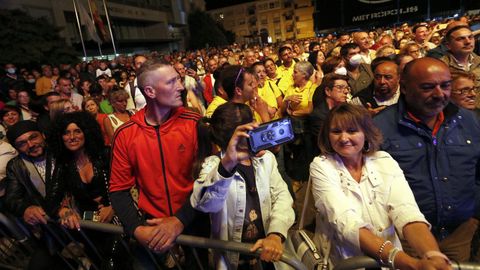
[79, 29]
[110, 27]
[91, 13]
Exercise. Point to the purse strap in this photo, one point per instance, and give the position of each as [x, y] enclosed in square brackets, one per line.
[301, 223]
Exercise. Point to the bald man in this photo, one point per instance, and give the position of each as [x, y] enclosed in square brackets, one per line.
[155, 152]
[437, 145]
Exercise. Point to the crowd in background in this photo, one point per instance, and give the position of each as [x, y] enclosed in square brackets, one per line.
[303, 79]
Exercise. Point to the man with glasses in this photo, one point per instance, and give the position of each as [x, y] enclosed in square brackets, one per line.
[28, 174]
[384, 90]
[437, 145]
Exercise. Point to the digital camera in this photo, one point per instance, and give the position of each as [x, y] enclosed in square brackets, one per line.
[270, 134]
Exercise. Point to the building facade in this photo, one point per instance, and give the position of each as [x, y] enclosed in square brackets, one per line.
[267, 20]
[136, 24]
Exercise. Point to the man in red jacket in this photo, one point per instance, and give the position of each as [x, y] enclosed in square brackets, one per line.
[209, 81]
[155, 152]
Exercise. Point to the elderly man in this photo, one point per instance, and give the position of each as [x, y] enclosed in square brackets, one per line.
[155, 152]
[437, 145]
[363, 42]
[384, 91]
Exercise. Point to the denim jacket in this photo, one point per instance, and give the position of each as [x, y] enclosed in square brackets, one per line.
[225, 198]
[441, 170]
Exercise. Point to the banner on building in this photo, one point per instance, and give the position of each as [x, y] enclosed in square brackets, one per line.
[351, 13]
[86, 21]
[100, 26]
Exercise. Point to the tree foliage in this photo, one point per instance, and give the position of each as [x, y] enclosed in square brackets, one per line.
[27, 40]
[204, 30]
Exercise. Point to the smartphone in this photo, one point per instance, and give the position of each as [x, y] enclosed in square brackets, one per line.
[91, 215]
[270, 134]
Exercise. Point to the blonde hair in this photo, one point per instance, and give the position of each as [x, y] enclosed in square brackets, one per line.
[57, 107]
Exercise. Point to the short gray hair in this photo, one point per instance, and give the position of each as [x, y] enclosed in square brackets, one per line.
[305, 67]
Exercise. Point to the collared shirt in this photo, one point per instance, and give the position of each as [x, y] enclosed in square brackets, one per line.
[306, 92]
[441, 169]
[381, 202]
[390, 101]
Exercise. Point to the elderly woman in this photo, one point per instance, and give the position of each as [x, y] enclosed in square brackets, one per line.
[333, 91]
[298, 105]
[248, 200]
[464, 91]
[412, 49]
[363, 201]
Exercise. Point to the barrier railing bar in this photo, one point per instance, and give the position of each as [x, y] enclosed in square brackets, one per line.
[368, 262]
[197, 242]
[65, 245]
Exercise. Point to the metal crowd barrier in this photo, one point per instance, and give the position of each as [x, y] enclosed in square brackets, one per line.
[369, 262]
[200, 242]
[62, 236]
[15, 248]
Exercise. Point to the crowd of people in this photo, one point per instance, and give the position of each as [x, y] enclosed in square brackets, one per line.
[386, 128]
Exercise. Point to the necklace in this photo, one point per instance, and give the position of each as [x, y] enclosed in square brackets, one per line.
[81, 163]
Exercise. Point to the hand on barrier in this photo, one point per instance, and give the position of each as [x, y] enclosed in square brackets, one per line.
[105, 213]
[434, 263]
[160, 235]
[69, 218]
[34, 215]
[272, 248]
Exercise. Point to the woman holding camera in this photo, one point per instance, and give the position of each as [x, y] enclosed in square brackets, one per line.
[245, 194]
[363, 200]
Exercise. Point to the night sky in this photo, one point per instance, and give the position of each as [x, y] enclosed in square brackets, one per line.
[213, 4]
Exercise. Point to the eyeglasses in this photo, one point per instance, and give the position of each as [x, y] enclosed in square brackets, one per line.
[465, 91]
[238, 75]
[342, 88]
[21, 144]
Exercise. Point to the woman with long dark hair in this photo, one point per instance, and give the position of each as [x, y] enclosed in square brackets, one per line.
[82, 168]
[79, 186]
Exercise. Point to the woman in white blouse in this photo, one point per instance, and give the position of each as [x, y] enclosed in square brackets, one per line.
[363, 201]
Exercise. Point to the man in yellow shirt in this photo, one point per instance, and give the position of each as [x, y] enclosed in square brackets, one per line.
[46, 83]
[285, 71]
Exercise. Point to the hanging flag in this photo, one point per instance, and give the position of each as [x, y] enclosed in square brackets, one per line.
[88, 23]
[101, 30]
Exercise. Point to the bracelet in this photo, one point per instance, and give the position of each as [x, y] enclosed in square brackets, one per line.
[380, 251]
[433, 253]
[391, 257]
